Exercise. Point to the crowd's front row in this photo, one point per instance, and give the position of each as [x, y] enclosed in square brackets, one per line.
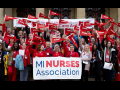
[97, 52]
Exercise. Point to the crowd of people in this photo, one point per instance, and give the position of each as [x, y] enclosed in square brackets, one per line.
[98, 50]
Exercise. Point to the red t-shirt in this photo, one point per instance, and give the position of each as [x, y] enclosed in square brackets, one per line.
[91, 46]
[39, 54]
[107, 55]
[56, 54]
[47, 52]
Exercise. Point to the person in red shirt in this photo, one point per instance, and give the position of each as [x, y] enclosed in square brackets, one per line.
[37, 52]
[56, 52]
[66, 46]
[12, 71]
[109, 57]
[92, 42]
[48, 49]
[21, 42]
[71, 52]
[26, 62]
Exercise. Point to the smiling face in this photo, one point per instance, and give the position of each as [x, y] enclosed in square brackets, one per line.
[24, 45]
[94, 47]
[71, 48]
[47, 44]
[16, 45]
[82, 40]
[56, 48]
[92, 40]
[108, 44]
[42, 47]
[112, 36]
[30, 36]
[9, 30]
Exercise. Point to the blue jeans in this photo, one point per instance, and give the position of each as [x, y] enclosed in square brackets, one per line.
[24, 74]
[108, 75]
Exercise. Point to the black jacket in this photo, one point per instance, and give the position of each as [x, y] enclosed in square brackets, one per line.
[98, 52]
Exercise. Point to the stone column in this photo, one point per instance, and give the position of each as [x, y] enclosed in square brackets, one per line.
[107, 13]
[38, 10]
[8, 11]
[80, 13]
[118, 16]
[1, 16]
[114, 15]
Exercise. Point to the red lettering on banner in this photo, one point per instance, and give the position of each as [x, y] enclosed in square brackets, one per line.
[72, 63]
[67, 63]
[47, 63]
[62, 63]
[54, 63]
[77, 63]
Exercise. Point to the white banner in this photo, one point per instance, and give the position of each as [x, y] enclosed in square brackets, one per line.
[56, 68]
[55, 21]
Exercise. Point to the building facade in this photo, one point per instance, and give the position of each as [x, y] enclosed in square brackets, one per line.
[67, 13]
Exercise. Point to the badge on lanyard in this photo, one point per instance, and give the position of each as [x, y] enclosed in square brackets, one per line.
[107, 56]
[47, 53]
[25, 57]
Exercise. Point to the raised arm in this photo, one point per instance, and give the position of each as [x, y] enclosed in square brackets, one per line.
[103, 46]
[4, 48]
[80, 43]
[99, 45]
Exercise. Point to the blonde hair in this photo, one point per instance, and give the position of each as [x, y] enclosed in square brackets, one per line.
[88, 48]
[58, 46]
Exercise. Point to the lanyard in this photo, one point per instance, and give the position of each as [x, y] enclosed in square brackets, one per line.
[71, 54]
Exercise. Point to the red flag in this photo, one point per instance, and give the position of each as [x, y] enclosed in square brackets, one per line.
[80, 23]
[48, 23]
[52, 27]
[53, 13]
[71, 37]
[3, 28]
[40, 26]
[43, 16]
[82, 33]
[83, 28]
[87, 23]
[34, 24]
[111, 31]
[53, 40]
[21, 22]
[96, 22]
[105, 17]
[76, 28]
[118, 24]
[32, 17]
[62, 21]
[7, 18]
[101, 33]
[68, 31]
[28, 41]
[1, 24]
[28, 21]
[36, 37]
[111, 21]
[36, 30]
[9, 36]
